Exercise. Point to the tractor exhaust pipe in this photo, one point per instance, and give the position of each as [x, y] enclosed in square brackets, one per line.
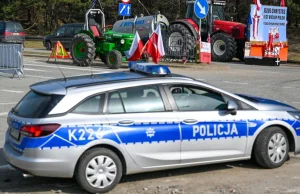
[134, 25]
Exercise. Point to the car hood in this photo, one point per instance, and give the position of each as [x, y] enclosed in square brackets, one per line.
[229, 23]
[268, 104]
[49, 36]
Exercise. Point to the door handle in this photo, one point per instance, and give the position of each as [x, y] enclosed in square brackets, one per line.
[190, 121]
[126, 122]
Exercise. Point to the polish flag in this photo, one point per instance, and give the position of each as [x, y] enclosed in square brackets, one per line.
[136, 49]
[282, 3]
[258, 4]
[155, 46]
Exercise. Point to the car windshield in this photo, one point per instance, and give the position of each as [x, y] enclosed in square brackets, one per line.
[36, 105]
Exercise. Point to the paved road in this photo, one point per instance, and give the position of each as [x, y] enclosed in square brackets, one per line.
[280, 83]
[37, 50]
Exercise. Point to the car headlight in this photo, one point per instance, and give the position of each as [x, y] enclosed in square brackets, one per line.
[295, 114]
[122, 41]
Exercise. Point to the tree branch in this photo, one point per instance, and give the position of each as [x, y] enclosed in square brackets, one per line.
[144, 7]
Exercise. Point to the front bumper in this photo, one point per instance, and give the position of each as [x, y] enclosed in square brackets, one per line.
[58, 162]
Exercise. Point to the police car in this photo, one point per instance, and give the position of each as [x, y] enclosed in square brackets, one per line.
[98, 128]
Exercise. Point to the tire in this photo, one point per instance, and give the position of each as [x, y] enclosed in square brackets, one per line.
[114, 59]
[99, 156]
[223, 47]
[83, 50]
[48, 45]
[180, 38]
[263, 152]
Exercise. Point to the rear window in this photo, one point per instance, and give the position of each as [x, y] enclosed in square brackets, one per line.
[2, 27]
[14, 27]
[36, 105]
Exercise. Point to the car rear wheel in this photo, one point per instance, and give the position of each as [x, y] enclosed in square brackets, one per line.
[271, 148]
[99, 170]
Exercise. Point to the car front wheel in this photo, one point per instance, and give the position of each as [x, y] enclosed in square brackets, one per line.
[48, 45]
[99, 170]
[271, 148]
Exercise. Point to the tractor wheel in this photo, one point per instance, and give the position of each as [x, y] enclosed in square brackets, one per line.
[180, 39]
[114, 59]
[83, 50]
[223, 47]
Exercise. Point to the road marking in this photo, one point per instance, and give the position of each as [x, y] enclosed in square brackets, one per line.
[288, 87]
[3, 113]
[12, 91]
[26, 75]
[55, 67]
[6, 167]
[296, 102]
[7, 103]
[27, 69]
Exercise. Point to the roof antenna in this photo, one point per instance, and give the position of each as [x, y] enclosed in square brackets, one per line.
[57, 64]
[61, 72]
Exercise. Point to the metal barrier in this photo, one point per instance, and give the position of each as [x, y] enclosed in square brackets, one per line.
[179, 48]
[11, 59]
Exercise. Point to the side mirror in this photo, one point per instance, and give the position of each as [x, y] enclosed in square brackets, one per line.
[232, 107]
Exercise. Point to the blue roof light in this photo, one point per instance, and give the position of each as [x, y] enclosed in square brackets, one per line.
[149, 68]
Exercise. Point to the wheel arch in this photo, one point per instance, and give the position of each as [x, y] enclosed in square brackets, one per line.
[291, 135]
[216, 32]
[187, 25]
[110, 147]
[89, 33]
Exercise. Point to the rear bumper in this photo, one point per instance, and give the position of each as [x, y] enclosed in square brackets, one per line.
[8, 39]
[47, 163]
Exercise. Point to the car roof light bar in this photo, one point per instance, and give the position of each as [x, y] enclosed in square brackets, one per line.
[149, 68]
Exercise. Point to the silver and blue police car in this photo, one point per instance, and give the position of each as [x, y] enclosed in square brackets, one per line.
[101, 127]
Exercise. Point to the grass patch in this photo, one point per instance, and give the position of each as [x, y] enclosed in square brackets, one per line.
[34, 44]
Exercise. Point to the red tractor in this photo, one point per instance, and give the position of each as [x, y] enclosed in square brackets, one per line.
[227, 38]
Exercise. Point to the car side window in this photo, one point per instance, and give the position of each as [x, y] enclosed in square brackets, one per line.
[141, 99]
[191, 98]
[60, 31]
[69, 30]
[115, 105]
[77, 29]
[93, 105]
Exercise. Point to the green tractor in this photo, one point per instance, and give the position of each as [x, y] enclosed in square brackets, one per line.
[95, 41]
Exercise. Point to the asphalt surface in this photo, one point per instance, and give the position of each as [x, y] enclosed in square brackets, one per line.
[279, 83]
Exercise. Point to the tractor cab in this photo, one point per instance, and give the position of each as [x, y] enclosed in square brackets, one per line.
[217, 14]
[91, 24]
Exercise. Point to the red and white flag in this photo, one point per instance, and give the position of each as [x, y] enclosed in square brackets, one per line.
[155, 46]
[136, 48]
[282, 3]
[258, 4]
